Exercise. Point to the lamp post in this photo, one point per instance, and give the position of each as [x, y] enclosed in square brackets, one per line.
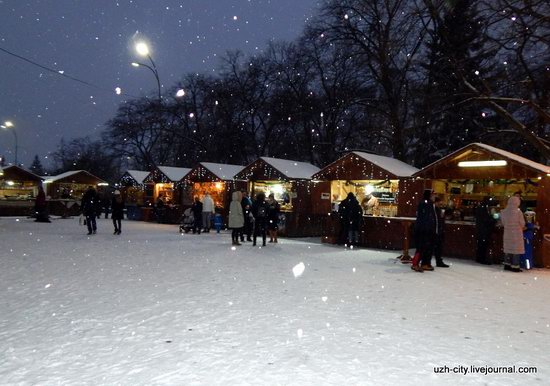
[7, 125]
[143, 50]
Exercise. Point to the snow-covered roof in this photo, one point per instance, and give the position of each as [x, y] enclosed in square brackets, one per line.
[392, 165]
[292, 169]
[138, 175]
[506, 154]
[515, 157]
[174, 174]
[22, 169]
[50, 179]
[223, 171]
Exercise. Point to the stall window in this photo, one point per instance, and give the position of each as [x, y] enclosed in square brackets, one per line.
[384, 192]
[215, 189]
[282, 191]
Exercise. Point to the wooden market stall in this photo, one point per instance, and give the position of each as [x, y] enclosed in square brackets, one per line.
[165, 182]
[215, 179]
[18, 189]
[381, 185]
[64, 191]
[71, 184]
[290, 182]
[464, 177]
[132, 187]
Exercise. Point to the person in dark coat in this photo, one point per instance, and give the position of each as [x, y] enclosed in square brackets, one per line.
[99, 204]
[197, 215]
[41, 207]
[106, 203]
[351, 218]
[425, 229]
[117, 207]
[260, 211]
[440, 236]
[89, 205]
[246, 204]
[485, 224]
[273, 217]
[160, 208]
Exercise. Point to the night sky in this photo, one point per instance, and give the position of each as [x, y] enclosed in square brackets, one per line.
[93, 41]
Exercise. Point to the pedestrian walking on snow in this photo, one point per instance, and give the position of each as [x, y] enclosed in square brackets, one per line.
[89, 205]
[117, 212]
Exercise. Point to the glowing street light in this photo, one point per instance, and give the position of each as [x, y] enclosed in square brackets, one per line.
[143, 50]
[180, 93]
[7, 125]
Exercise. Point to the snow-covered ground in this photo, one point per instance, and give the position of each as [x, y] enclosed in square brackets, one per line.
[153, 307]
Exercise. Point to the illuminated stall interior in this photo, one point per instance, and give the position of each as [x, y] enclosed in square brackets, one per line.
[212, 178]
[365, 174]
[71, 185]
[287, 180]
[133, 186]
[465, 177]
[17, 183]
[165, 180]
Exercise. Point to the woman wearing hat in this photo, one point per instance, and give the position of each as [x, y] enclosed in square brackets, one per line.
[117, 207]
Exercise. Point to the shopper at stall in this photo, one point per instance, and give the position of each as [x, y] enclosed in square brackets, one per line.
[197, 215]
[514, 225]
[440, 236]
[260, 212]
[207, 211]
[485, 224]
[371, 205]
[117, 214]
[425, 229]
[246, 204]
[273, 218]
[160, 208]
[89, 205]
[351, 218]
[41, 207]
[236, 217]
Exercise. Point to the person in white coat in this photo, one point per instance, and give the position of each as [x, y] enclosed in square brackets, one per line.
[512, 241]
[207, 210]
[236, 217]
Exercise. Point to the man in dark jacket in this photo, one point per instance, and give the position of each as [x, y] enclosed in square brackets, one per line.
[425, 229]
[485, 223]
[197, 215]
[117, 206]
[440, 236]
[351, 218]
[41, 206]
[260, 212]
[89, 205]
[246, 203]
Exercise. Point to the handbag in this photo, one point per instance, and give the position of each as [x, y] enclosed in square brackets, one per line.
[81, 220]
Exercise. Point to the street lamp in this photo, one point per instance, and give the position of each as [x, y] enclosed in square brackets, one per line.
[7, 125]
[143, 50]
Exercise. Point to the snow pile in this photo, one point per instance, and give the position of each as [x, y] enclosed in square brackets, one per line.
[154, 307]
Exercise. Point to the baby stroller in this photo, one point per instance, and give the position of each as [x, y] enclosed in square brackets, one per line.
[187, 221]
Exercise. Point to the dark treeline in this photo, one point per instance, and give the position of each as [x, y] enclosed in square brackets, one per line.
[412, 79]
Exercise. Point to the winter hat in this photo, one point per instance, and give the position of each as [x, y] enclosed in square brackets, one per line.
[117, 192]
